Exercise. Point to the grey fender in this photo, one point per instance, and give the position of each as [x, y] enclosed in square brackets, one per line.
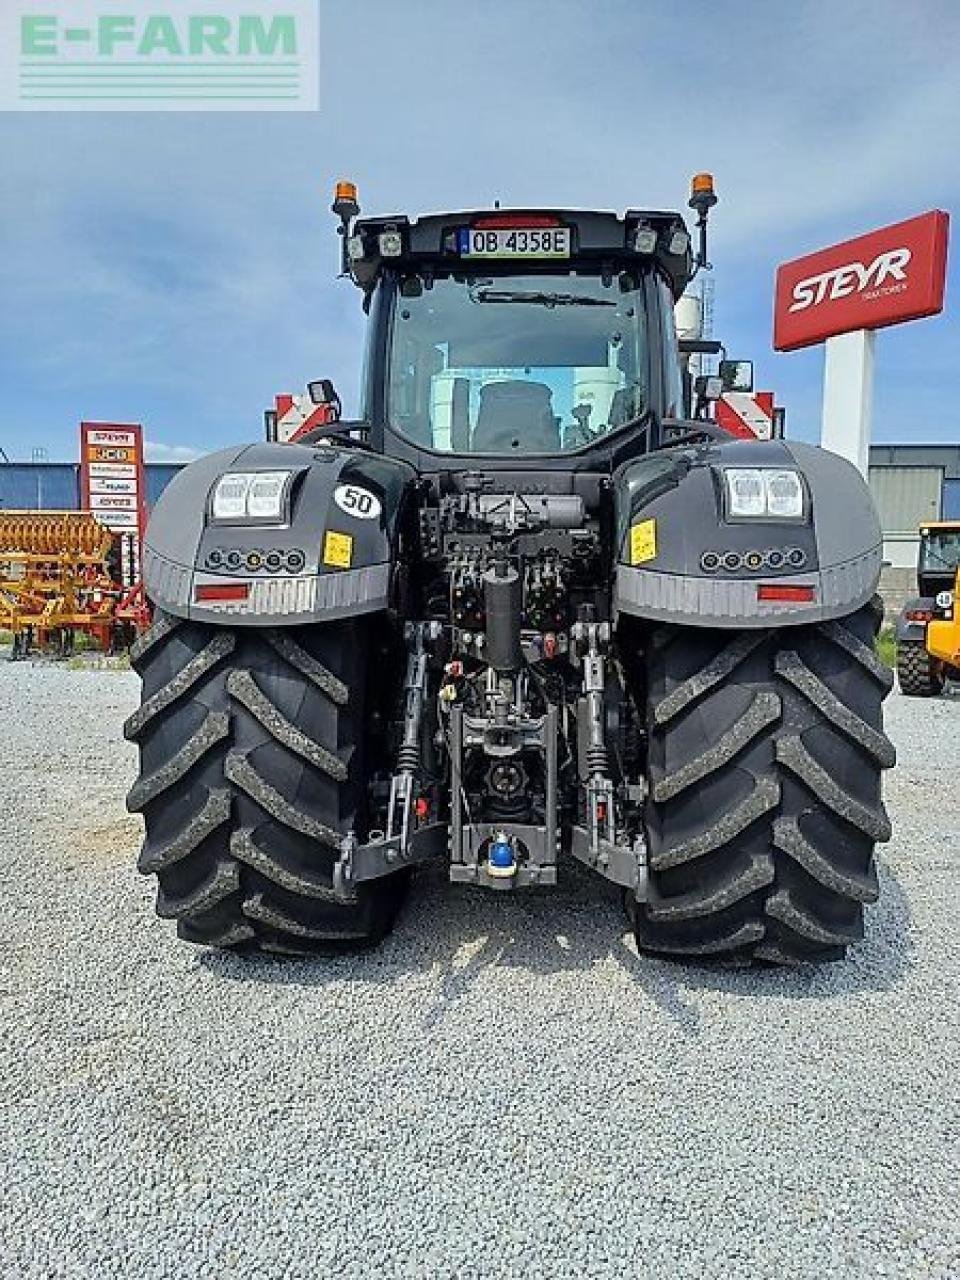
[670, 522]
[907, 628]
[328, 560]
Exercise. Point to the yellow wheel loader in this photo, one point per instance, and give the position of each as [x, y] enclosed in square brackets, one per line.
[928, 629]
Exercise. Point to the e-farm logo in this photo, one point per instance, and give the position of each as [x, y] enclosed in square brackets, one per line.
[158, 55]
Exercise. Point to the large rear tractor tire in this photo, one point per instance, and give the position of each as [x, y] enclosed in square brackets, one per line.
[765, 756]
[920, 675]
[253, 764]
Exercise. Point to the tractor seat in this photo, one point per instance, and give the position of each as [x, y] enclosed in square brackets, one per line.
[516, 417]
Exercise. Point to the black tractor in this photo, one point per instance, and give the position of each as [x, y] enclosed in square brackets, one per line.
[533, 605]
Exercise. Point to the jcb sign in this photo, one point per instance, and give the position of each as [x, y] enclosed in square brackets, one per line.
[879, 279]
[111, 453]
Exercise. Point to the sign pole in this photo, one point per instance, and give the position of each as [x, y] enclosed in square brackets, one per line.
[848, 396]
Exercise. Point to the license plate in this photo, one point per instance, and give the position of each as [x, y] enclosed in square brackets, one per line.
[515, 242]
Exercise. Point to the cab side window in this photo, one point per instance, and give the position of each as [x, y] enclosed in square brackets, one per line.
[672, 378]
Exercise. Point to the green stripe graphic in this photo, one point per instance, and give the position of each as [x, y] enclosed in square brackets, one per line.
[197, 79]
[128, 62]
[186, 79]
[199, 96]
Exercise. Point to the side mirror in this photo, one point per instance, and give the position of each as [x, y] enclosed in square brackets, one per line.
[736, 375]
[708, 387]
[324, 392]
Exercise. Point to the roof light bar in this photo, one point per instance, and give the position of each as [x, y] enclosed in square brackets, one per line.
[514, 222]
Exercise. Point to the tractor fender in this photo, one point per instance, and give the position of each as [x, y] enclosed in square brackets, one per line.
[332, 557]
[909, 628]
[680, 559]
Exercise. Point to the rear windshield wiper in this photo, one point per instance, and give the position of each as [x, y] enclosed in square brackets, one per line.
[539, 299]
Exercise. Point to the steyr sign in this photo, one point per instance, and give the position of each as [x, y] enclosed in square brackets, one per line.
[879, 279]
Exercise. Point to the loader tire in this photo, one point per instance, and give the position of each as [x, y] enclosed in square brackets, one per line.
[252, 766]
[765, 753]
[919, 674]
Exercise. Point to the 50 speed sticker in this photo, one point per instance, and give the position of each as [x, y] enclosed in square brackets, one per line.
[357, 502]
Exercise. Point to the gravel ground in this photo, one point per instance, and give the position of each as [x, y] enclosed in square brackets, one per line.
[503, 1089]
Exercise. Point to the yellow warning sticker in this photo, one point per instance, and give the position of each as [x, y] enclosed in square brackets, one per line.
[643, 542]
[338, 550]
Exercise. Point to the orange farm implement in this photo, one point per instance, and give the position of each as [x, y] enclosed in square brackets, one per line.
[58, 580]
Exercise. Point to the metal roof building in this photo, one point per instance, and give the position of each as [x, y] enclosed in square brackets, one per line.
[42, 486]
[55, 486]
[913, 483]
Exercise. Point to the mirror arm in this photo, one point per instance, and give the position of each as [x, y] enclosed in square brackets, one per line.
[696, 430]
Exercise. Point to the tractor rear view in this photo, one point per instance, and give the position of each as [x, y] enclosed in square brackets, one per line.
[532, 606]
[928, 629]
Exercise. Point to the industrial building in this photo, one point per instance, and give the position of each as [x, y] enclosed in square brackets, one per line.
[55, 486]
[913, 483]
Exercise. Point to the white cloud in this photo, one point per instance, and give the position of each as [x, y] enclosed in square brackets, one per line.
[156, 451]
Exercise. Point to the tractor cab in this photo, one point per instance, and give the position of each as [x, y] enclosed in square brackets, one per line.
[939, 557]
[542, 338]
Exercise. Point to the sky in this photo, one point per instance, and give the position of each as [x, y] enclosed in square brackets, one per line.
[180, 269]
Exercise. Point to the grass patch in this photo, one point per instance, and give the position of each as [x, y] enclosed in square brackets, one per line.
[95, 661]
[886, 646]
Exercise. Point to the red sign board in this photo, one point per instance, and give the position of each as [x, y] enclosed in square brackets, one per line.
[113, 485]
[883, 278]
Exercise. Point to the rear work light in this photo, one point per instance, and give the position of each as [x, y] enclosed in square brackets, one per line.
[221, 592]
[784, 593]
[514, 222]
[644, 239]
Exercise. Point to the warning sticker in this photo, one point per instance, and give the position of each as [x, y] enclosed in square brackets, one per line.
[643, 542]
[338, 550]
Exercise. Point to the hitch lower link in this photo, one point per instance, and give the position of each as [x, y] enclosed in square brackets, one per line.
[598, 844]
[398, 846]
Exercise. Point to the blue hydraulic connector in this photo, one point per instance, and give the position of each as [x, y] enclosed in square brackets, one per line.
[501, 860]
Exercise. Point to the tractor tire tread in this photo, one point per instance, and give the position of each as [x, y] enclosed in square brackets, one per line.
[769, 857]
[148, 786]
[916, 672]
[252, 756]
[763, 710]
[163, 625]
[240, 771]
[745, 874]
[242, 686]
[308, 666]
[219, 646]
[156, 857]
